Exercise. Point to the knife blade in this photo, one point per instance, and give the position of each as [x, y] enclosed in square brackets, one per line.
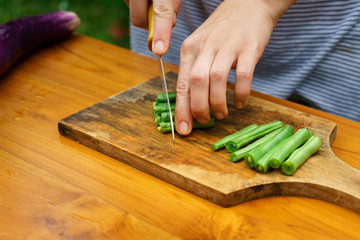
[161, 66]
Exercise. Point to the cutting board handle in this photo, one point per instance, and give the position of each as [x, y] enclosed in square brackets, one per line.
[324, 177]
[337, 182]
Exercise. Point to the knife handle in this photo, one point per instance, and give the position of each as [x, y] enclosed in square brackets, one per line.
[151, 26]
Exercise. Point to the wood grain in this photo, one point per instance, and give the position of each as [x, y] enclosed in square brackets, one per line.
[45, 174]
[66, 211]
[122, 127]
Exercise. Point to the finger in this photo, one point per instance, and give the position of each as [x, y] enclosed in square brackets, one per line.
[199, 87]
[183, 116]
[176, 5]
[138, 13]
[243, 77]
[218, 82]
[163, 22]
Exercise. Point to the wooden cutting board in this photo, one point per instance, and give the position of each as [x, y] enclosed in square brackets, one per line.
[123, 127]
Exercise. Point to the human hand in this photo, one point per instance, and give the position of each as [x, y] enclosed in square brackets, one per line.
[164, 20]
[234, 36]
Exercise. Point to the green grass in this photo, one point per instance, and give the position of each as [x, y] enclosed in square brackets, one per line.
[107, 20]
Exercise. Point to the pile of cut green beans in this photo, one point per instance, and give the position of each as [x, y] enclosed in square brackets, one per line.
[271, 145]
[162, 115]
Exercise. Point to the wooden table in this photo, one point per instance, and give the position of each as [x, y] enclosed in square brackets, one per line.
[54, 188]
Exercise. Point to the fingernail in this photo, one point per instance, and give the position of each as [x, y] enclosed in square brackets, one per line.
[219, 115]
[159, 46]
[183, 127]
[239, 104]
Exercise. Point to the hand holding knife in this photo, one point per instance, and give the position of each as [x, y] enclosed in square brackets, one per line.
[161, 66]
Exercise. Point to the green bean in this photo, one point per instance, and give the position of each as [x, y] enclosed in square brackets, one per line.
[239, 154]
[293, 142]
[262, 165]
[162, 114]
[161, 97]
[300, 155]
[157, 117]
[197, 125]
[162, 107]
[165, 116]
[165, 127]
[258, 132]
[253, 156]
[221, 143]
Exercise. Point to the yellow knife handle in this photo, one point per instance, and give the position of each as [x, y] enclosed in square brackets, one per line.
[151, 26]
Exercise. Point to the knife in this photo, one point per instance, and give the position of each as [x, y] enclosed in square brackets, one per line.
[161, 65]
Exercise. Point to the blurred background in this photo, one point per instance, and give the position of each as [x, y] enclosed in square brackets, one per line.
[106, 20]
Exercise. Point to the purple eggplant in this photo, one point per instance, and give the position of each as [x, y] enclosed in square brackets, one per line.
[22, 36]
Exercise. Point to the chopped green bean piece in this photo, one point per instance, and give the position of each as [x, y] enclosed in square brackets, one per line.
[300, 155]
[165, 127]
[165, 116]
[239, 154]
[253, 156]
[263, 164]
[161, 97]
[162, 107]
[157, 118]
[197, 125]
[221, 143]
[256, 133]
[293, 142]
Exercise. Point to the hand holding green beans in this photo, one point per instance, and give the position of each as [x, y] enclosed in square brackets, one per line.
[162, 114]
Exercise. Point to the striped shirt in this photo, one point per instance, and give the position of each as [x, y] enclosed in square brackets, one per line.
[313, 56]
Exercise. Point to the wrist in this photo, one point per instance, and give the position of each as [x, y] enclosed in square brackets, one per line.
[275, 8]
[270, 10]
